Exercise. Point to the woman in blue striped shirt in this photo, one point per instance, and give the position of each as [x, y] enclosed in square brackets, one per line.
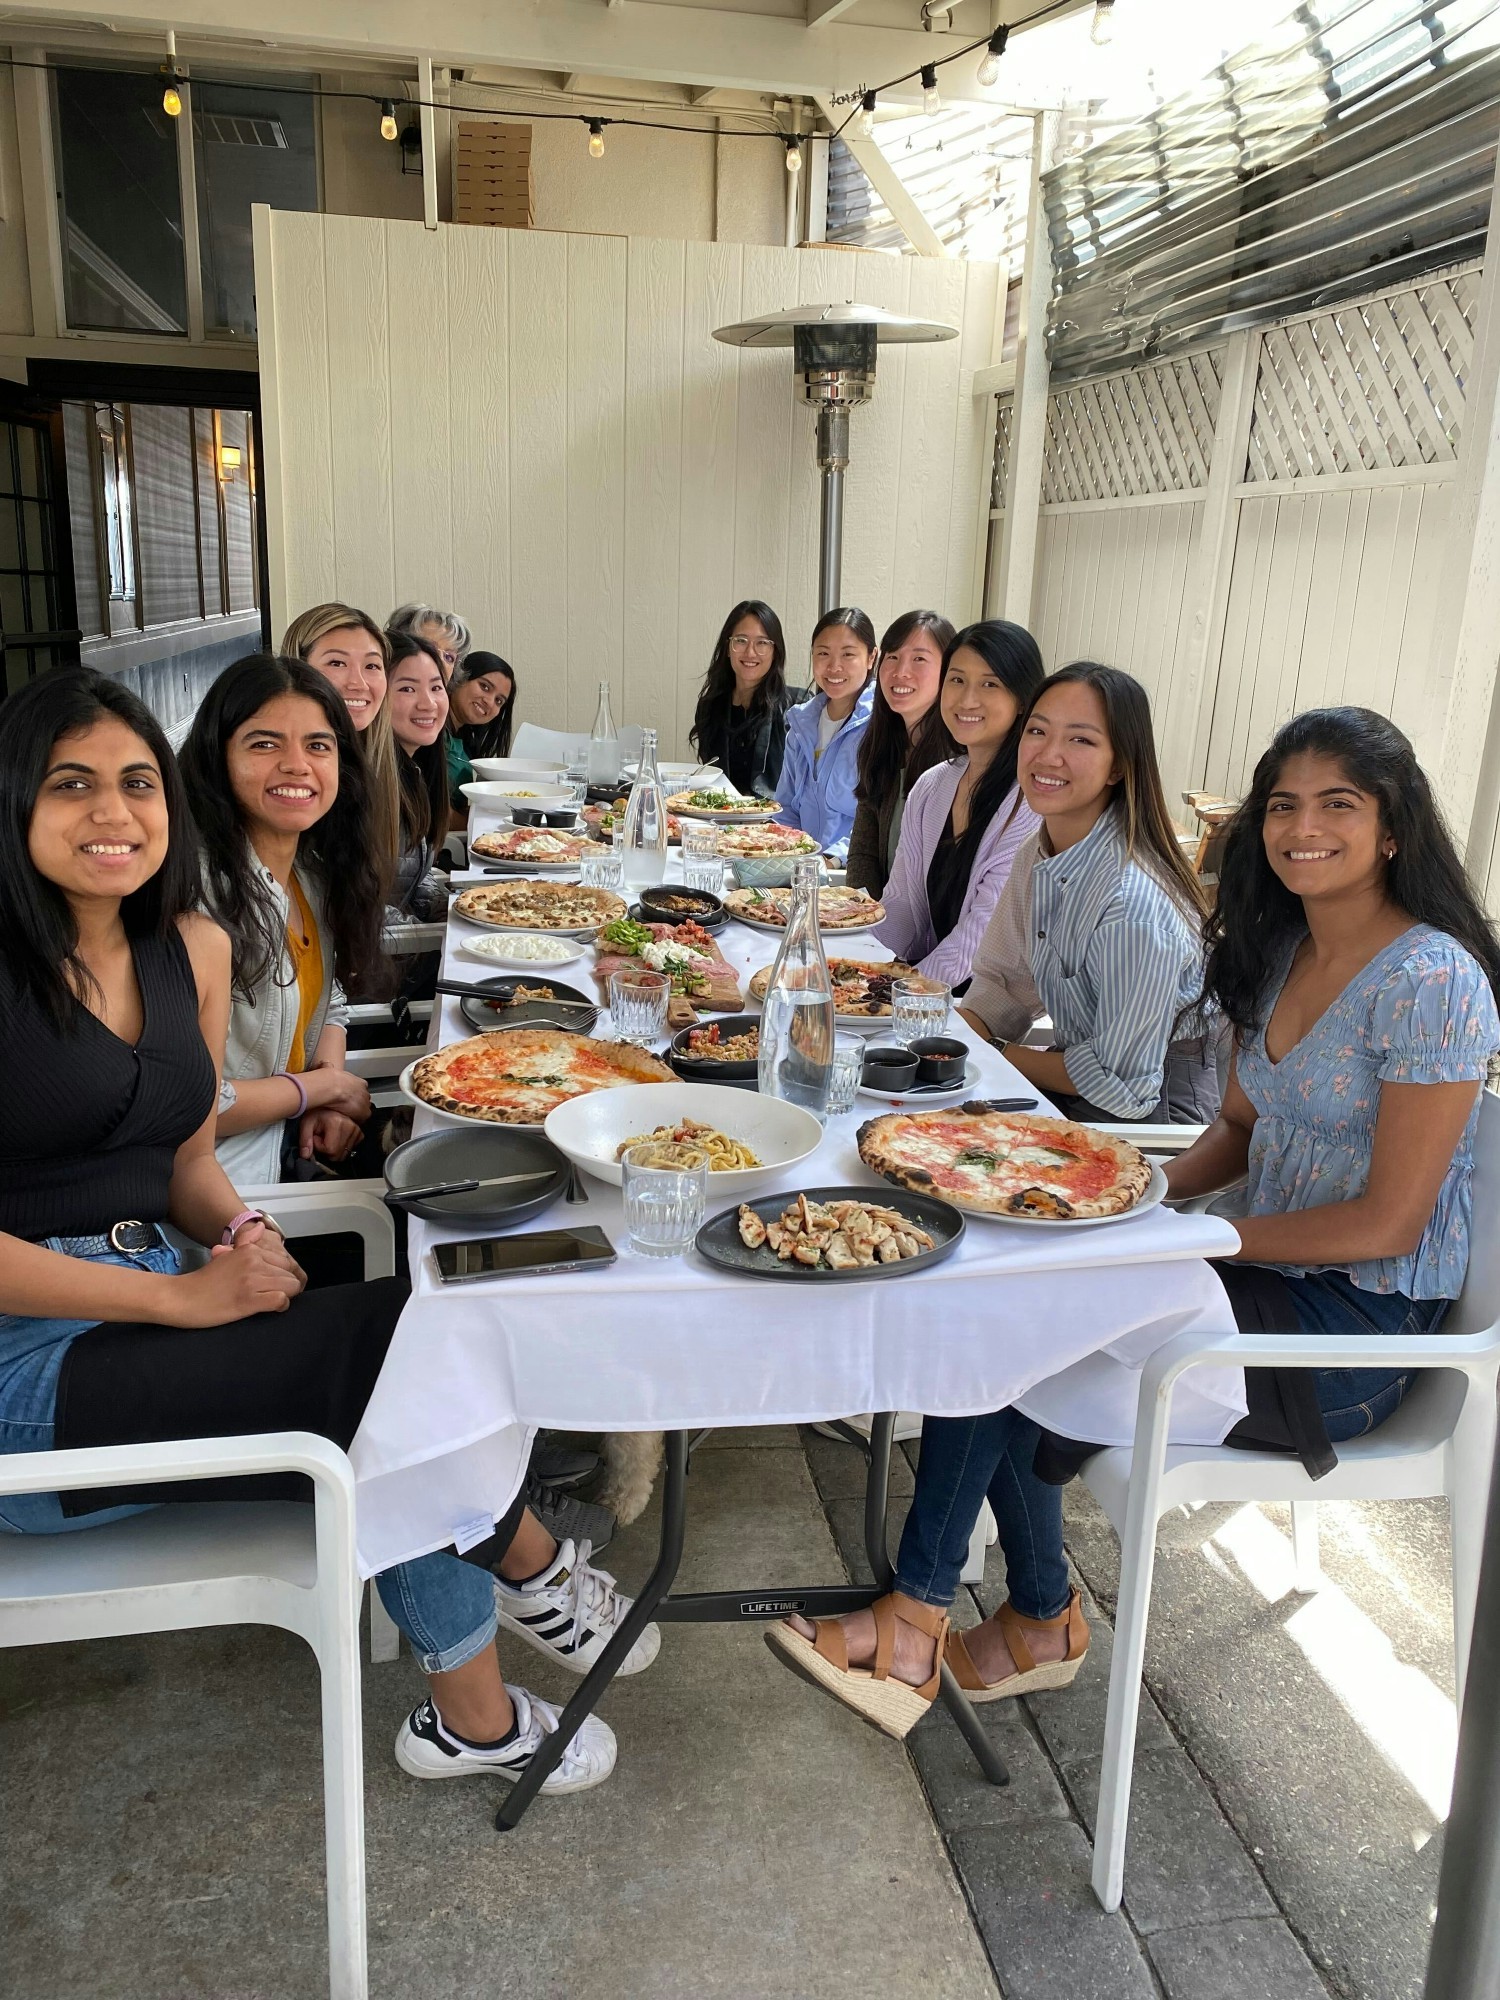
[1100, 924]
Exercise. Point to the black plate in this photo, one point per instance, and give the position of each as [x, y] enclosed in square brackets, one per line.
[697, 1070]
[571, 1009]
[475, 1153]
[719, 1238]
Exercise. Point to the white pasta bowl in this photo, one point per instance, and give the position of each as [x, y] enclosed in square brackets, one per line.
[542, 793]
[591, 1129]
[516, 770]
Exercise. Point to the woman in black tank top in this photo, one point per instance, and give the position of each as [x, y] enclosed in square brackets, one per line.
[116, 996]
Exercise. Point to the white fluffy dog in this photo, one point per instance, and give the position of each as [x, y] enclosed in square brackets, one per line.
[632, 1460]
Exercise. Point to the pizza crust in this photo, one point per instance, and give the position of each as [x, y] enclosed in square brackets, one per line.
[914, 1149]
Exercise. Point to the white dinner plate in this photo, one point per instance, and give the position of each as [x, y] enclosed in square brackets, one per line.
[779, 930]
[403, 1084]
[1155, 1195]
[927, 1095]
[586, 931]
[781, 1135]
[517, 770]
[489, 951]
[498, 797]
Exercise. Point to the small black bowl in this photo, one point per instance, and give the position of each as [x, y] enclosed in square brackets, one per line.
[704, 1069]
[671, 903]
[940, 1059]
[559, 816]
[889, 1068]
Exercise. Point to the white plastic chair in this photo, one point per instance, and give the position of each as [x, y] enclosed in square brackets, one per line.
[1441, 1441]
[179, 1568]
[562, 746]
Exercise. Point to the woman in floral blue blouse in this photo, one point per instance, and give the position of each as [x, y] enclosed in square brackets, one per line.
[1359, 972]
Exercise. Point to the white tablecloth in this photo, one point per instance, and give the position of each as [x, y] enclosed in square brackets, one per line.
[1057, 1322]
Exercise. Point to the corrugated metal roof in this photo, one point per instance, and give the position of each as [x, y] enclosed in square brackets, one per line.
[1355, 146]
[967, 167]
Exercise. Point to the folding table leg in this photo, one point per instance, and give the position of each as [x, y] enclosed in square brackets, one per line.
[599, 1676]
[877, 1494]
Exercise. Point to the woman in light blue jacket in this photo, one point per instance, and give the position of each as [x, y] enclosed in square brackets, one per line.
[824, 733]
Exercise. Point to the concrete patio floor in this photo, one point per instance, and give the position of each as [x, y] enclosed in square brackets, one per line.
[161, 1822]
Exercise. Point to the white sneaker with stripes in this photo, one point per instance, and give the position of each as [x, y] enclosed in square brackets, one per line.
[424, 1748]
[571, 1612]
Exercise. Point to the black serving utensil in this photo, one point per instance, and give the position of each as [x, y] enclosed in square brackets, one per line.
[999, 1104]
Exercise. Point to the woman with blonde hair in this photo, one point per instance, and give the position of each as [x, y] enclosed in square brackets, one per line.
[348, 648]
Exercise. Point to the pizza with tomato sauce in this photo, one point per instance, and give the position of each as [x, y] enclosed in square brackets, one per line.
[515, 1076]
[1008, 1163]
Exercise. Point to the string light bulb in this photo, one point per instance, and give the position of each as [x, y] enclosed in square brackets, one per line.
[793, 154]
[387, 118]
[596, 138]
[931, 102]
[1103, 31]
[989, 67]
[171, 97]
[864, 124]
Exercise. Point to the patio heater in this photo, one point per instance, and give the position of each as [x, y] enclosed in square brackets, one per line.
[834, 353]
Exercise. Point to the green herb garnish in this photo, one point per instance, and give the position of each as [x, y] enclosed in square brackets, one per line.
[625, 936]
[976, 1156]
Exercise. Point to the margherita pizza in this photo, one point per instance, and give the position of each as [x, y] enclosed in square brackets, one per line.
[1008, 1163]
[538, 906]
[540, 846]
[764, 843]
[515, 1076]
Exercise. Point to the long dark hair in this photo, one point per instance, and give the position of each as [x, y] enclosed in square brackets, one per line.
[487, 739]
[707, 732]
[1015, 659]
[887, 754]
[423, 771]
[37, 926]
[1150, 837]
[1257, 919]
[340, 849]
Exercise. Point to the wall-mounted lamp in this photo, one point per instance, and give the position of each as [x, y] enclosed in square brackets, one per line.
[230, 460]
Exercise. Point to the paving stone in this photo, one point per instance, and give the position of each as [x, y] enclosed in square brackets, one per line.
[1071, 1719]
[1235, 1961]
[776, 1437]
[1048, 1939]
[839, 1468]
[847, 1519]
[960, 1795]
[1184, 1863]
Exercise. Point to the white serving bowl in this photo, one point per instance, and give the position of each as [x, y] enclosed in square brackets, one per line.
[515, 792]
[515, 770]
[589, 1129]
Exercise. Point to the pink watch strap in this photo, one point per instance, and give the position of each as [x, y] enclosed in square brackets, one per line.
[245, 1215]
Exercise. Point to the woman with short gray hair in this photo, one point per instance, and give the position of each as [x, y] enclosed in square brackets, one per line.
[444, 630]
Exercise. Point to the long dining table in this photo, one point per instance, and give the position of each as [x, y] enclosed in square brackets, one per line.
[1059, 1323]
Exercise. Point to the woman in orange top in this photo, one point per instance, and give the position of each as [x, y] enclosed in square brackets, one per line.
[282, 799]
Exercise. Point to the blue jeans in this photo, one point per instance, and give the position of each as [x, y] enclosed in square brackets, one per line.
[445, 1607]
[969, 1459]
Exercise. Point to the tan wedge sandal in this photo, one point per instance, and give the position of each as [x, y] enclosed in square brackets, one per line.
[1030, 1677]
[891, 1705]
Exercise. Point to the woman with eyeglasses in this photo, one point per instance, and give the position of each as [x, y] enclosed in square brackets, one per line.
[740, 723]
[444, 631]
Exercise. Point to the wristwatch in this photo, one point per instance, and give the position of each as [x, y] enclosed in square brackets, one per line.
[245, 1215]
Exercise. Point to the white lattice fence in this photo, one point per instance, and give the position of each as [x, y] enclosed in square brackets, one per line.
[1373, 387]
[1004, 419]
[1135, 435]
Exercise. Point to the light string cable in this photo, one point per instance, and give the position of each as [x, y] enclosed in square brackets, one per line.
[590, 120]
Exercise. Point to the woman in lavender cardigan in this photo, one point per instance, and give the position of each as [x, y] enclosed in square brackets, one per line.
[965, 820]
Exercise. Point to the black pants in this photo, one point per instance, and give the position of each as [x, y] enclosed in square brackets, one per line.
[311, 1368]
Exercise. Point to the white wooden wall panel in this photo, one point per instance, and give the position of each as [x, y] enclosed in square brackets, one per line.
[539, 430]
[1111, 586]
[1331, 601]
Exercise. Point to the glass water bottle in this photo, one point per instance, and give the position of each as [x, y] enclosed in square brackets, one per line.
[796, 1024]
[643, 843]
[604, 743]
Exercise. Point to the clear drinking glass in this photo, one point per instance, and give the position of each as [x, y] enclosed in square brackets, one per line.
[915, 1012]
[664, 1203]
[844, 1076]
[701, 866]
[638, 1006]
[577, 787]
[601, 868]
